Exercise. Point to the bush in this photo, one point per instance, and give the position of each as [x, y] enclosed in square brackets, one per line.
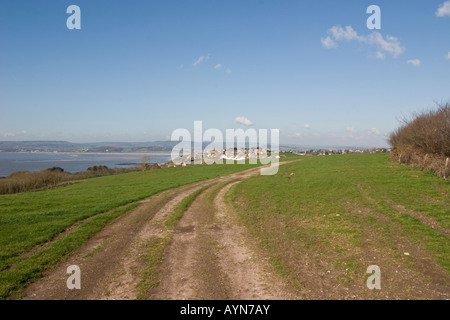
[427, 131]
[22, 181]
[424, 141]
[98, 168]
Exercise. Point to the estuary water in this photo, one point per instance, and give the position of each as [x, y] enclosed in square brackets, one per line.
[72, 162]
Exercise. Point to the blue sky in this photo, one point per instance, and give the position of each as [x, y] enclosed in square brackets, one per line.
[135, 72]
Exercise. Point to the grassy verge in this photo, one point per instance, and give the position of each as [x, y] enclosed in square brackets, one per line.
[24, 270]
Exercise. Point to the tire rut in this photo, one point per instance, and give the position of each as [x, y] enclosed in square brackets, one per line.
[111, 262]
[211, 258]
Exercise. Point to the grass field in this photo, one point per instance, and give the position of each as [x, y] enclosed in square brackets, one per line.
[32, 224]
[324, 220]
[321, 220]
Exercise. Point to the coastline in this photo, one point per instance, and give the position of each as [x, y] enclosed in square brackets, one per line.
[153, 153]
[11, 162]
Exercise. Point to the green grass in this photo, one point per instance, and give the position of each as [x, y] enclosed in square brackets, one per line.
[26, 269]
[153, 258]
[30, 219]
[177, 214]
[315, 206]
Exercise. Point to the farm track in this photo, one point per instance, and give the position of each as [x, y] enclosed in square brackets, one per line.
[208, 256]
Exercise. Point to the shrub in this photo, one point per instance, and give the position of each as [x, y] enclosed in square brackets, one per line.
[424, 141]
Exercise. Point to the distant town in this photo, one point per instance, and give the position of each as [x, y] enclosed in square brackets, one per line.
[242, 154]
[326, 152]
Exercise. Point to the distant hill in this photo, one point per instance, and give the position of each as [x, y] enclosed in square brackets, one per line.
[124, 147]
[65, 146]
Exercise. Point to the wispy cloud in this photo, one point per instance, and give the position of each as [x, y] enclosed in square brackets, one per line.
[307, 126]
[329, 43]
[200, 60]
[346, 33]
[448, 56]
[388, 44]
[243, 120]
[380, 55]
[374, 131]
[351, 129]
[444, 9]
[221, 66]
[414, 62]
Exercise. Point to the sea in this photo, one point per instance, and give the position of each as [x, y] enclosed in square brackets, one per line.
[73, 162]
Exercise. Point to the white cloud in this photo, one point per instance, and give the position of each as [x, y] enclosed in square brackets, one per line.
[384, 45]
[380, 55]
[337, 33]
[340, 33]
[200, 60]
[328, 43]
[448, 56]
[414, 62]
[390, 44]
[374, 131]
[297, 134]
[221, 66]
[243, 120]
[444, 9]
[351, 130]
[307, 126]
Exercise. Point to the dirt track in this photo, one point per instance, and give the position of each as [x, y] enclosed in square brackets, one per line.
[209, 255]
